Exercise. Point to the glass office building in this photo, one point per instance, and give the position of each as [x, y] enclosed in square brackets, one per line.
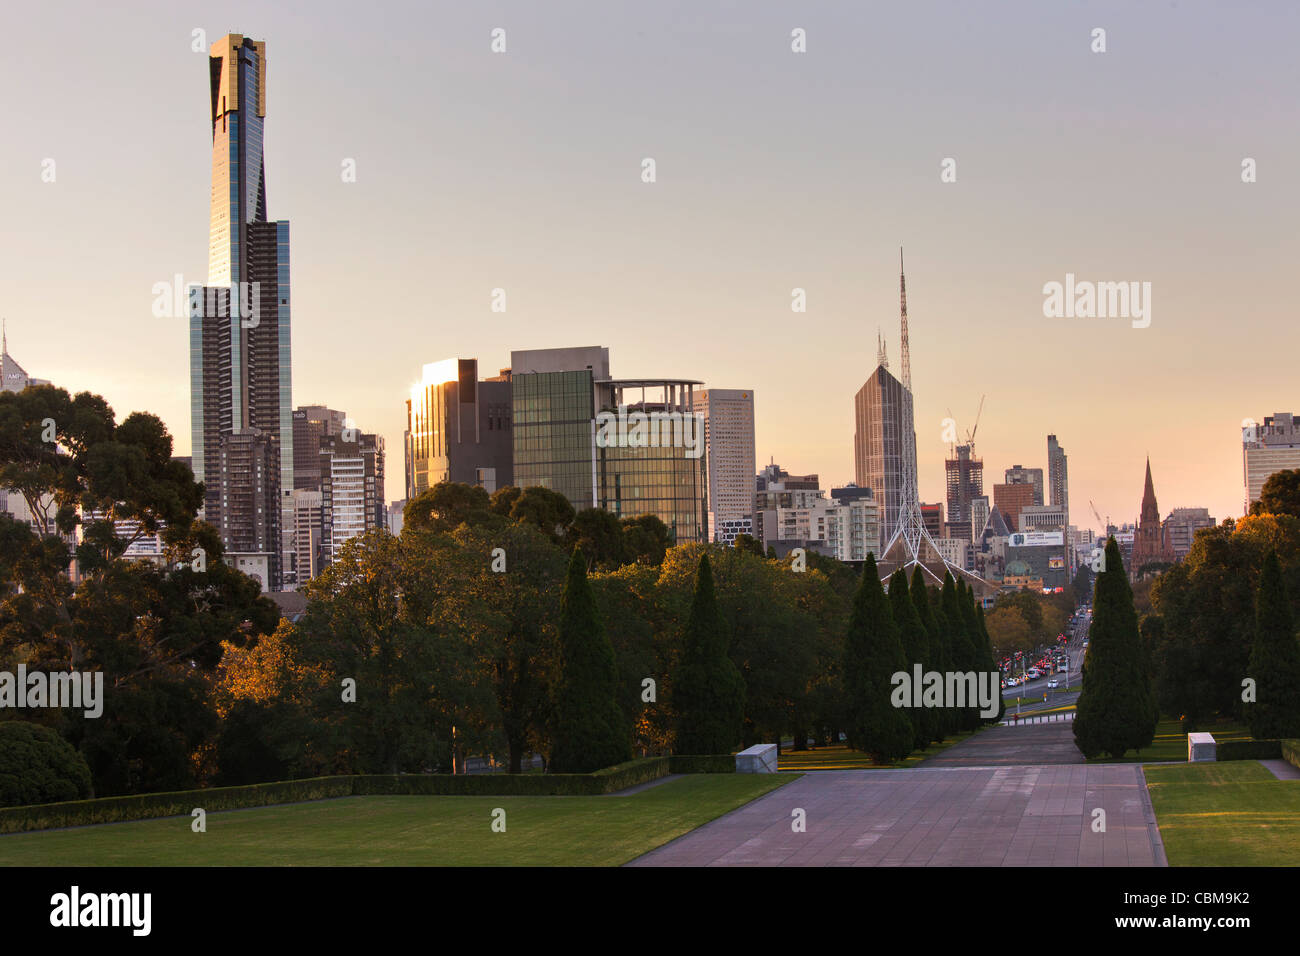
[240, 321]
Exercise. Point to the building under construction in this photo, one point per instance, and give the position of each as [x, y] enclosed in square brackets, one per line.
[965, 480]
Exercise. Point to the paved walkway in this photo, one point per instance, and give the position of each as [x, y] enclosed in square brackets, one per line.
[1282, 769]
[941, 815]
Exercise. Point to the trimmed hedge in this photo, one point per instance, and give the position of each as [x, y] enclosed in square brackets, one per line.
[1248, 750]
[702, 763]
[1291, 751]
[145, 806]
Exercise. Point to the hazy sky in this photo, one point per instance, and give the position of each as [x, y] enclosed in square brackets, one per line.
[775, 170]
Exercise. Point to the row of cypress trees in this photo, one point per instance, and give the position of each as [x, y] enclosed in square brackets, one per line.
[708, 688]
[888, 634]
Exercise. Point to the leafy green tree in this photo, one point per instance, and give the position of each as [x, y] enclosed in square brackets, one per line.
[600, 536]
[1280, 494]
[961, 647]
[39, 766]
[1115, 711]
[749, 543]
[548, 511]
[1274, 660]
[872, 655]
[448, 505]
[708, 689]
[990, 661]
[589, 729]
[916, 650]
[646, 539]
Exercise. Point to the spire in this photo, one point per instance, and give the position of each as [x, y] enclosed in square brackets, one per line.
[881, 358]
[902, 305]
[4, 335]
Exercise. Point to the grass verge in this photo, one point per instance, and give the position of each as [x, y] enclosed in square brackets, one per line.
[407, 830]
[1226, 814]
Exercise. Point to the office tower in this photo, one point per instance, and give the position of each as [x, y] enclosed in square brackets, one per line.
[311, 423]
[879, 410]
[1149, 543]
[1041, 518]
[1266, 449]
[12, 376]
[729, 448]
[1010, 498]
[630, 446]
[396, 516]
[1015, 475]
[352, 490]
[1058, 482]
[932, 518]
[247, 492]
[458, 428]
[1181, 526]
[307, 528]
[979, 516]
[964, 477]
[240, 379]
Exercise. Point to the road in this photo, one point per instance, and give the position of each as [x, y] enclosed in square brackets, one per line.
[1068, 692]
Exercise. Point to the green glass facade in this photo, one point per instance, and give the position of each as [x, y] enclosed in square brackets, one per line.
[554, 434]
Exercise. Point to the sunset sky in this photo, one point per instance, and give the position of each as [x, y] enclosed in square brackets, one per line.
[775, 170]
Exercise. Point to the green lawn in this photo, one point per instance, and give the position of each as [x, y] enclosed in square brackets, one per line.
[1170, 742]
[1234, 813]
[841, 757]
[407, 830]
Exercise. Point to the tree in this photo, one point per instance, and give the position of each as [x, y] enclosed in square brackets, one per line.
[448, 505]
[1009, 630]
[872, 655]
[1274, 660]
[600, 536]
[991, 661]
[39, 766]
[589, 731]
[916, 650]
[962, 653]
[749, 543]
[548, 511]
[646, 539]
[1280, 494]
[1115, 711]
[708, 689]
[940, 656]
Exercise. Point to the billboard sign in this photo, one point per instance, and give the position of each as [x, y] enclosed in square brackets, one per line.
[1037, 539]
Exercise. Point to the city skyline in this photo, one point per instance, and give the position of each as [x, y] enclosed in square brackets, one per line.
[741, 214]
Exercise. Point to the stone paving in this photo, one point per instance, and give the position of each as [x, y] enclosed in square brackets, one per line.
[939, 814]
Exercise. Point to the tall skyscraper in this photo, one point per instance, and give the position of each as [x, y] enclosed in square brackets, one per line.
[1266, 449]
[964, 476]
[879, 411]
[240, 382]
[352, 490]
[311, 423]
[1058, 482]
[1010, 498]
[729, 447]
[458, 428]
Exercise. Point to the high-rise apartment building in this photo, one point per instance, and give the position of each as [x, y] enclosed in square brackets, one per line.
[246, 491]
[1266, 449]
[240, 380]
[1016, 475]
[964, 477]
[311, 423]
[458, 428]
[630, 446]
[1011, 497]
[1058, 480]
[1180, 528]
[307, 529]
[352, 490]
[880, 415]
[729, 447]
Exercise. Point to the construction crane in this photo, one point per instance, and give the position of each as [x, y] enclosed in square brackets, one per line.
[1105, 525]
[970, 435]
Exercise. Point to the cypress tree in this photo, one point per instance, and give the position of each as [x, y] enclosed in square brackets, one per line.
[962, 648]
[1114, 712]
[916, 650]
[872, 655]
[992, 661]
[709, 690]
[1274, 660]
[943, 723]
[589, 729]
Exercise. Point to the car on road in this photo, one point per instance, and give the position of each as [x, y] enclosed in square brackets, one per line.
[1053, 682]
